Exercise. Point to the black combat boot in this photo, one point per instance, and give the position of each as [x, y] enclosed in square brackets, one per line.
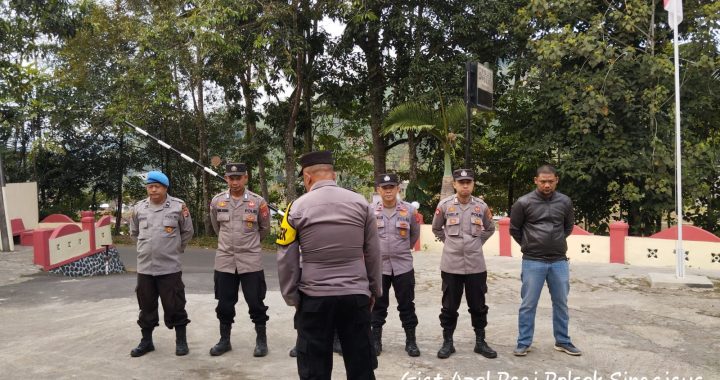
[293, 351]
[223, 345]
[377, 340]
[337, 347]
[145, 346]
[261, 348]
[447, 348]
[410, 343]
[481, 347]
[181, 346]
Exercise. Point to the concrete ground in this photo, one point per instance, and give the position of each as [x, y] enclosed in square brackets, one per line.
[55, 327]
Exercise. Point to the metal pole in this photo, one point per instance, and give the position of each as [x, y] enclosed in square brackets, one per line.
[189, 159]
[467, 135]
[679, 252]
[468, 113]
[4, 237]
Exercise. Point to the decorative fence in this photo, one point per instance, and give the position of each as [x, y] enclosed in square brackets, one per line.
[702, 248]
[75, 249]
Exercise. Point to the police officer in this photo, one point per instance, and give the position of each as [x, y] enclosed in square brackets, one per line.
[398, 231]
[241, 219]
[162, 232]
[341, 271]
[463, 223]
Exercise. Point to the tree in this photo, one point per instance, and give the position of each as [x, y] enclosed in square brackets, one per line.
[439, 122]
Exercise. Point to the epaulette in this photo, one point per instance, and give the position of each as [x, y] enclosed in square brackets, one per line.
[173, 199]
[253, 194]
[219, 194]
[446, 200]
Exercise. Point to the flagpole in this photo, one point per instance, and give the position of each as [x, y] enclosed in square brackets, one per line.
[679, 252]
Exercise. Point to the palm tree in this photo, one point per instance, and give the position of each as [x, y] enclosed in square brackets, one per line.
[419, 117]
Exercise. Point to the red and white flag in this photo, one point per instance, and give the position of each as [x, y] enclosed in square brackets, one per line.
[675, 13]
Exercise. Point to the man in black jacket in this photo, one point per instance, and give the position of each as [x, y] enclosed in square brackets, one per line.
[540, 221]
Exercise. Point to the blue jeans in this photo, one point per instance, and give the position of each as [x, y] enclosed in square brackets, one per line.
[533, 277]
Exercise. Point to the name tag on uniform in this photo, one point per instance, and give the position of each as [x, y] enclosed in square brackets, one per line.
[380, 223]
[453, 221]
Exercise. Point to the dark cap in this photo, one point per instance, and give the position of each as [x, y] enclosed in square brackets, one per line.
[235, 168]
[315, 158]
[386, 179]
[461, 174]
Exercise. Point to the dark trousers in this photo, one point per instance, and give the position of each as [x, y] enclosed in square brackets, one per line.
[318, 318]
[475, 288]
[404, 285]
[253, 289]
[171, 290]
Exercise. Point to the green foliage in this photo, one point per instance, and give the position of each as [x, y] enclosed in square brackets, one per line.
[581, 84]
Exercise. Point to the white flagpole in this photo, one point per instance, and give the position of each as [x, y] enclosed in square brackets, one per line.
[679, 252]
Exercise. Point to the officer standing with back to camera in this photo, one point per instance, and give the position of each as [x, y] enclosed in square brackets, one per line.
[398, 230]
[341, 271]
[241, 219]
[463, 223]
[162, 230]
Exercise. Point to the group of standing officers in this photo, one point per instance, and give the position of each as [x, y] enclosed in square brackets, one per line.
[337, 259]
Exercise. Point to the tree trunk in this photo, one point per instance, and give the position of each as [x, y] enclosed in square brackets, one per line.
[202, 142]
[289, 134]
[250, 117]
[447, 181]
[412, 153]
[308, 95]
[376, 88]
[120, 175]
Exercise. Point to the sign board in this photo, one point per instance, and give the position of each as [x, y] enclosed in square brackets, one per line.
[484, 87]
[479, 86]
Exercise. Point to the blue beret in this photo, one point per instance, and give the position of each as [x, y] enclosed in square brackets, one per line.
[157, 177]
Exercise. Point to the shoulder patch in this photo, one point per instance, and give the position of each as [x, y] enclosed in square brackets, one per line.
[288, 233]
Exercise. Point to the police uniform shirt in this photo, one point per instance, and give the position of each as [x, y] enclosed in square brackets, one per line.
[335, 229]
[240, 226]
[162, 233]
[463, 228]
[398, 231]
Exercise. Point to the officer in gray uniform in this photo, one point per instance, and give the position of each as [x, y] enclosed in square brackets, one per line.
[463, 223]
[341, 271]
[241, 220]
[162, 231]
[398, 231]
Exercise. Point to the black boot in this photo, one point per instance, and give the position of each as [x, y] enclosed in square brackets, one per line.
[223, 345]
[447, 348]
[181, 346]
[410, 343]
[377, 340]
[261, 348]
[337, 347]
[145, 346]
[481, 347]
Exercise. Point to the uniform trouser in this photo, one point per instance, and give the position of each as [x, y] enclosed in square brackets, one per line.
[318, 318]
[171, 290]
[404, 285]
[253, 288]
[475, 288]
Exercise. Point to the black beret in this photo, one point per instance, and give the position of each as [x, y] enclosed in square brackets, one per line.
[236, 168]
[387, 179]
[315, 158]
[461, 174]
